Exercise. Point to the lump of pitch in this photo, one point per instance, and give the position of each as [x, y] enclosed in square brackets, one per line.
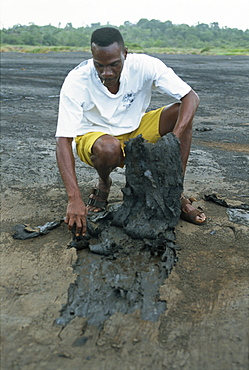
[151, 198]
[154, 183]
[132, 246]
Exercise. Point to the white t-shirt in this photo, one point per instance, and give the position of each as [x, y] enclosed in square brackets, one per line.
[86, 105]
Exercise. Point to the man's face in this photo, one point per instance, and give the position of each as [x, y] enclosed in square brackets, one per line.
[109, 62]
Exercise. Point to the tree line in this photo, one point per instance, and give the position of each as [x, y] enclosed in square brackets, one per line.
[144, 34]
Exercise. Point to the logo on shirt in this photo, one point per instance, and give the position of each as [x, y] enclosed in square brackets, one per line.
[128, 99]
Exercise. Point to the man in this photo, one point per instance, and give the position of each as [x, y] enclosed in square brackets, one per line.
[102, 105]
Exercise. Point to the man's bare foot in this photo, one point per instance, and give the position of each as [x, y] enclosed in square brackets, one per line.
[190, 213]
[98, 198]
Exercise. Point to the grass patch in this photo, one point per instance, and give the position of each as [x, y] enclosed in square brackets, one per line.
[40, 49]
[132, 48]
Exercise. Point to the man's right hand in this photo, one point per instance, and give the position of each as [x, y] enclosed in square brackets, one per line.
[76, 214]
[76, 209]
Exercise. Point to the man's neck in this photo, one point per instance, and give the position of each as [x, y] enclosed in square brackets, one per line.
[114, 89]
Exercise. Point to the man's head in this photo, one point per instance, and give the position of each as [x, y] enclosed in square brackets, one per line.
[106, 36]
[109, 54]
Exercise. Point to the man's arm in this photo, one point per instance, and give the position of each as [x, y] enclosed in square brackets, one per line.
[188, 108]
[76, 210]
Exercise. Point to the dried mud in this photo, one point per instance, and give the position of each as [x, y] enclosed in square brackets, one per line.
[206, 296]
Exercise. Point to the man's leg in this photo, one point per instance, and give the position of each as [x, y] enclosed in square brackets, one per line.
[167, 123]
[106, 155]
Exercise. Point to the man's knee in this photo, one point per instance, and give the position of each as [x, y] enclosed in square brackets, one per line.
[171, 112]
[168, 118]
[107, 148]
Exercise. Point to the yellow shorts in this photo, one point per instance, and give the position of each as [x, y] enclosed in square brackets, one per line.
[149, 128]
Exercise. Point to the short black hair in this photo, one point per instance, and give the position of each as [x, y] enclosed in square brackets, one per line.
[106, 36]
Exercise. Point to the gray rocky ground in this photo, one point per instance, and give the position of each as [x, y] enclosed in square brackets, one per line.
[205, 324]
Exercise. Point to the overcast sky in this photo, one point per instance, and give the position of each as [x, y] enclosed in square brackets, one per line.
[228, 13]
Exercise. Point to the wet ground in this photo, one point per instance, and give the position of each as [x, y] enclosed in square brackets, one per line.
[205, 324]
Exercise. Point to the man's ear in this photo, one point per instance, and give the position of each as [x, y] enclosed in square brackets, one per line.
[125, 51]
